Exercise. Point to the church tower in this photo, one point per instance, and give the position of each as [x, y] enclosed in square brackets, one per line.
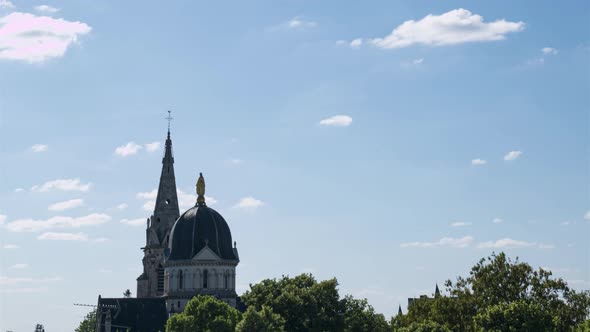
[151, 282]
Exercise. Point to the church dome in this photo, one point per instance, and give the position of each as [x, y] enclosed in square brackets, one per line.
[200, 227]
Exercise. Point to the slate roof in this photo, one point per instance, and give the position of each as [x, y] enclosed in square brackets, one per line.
[137, 315]
[197, 227]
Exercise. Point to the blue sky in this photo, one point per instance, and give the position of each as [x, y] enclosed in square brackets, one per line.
[336, 138]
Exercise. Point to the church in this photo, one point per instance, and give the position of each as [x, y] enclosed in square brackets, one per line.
[184, 255]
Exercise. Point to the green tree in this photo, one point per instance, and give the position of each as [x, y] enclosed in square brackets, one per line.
[264, 320]
[360, 316]
[304, 303]
[206, 314]
[88, 324]
[427, 326]
[498, 286]
[516, 316]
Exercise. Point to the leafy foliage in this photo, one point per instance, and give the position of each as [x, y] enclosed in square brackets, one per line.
[502, 295]
[264, 320]
[360, 316]
[88, 324]
[516, 316]
[204, 313]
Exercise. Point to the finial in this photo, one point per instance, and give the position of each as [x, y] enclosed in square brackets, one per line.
[169, 118]
[201, 190]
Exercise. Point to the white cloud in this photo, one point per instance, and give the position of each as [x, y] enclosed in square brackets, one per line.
[587, 216]
[565, 223]
[298, 23]
[236, 161]
[549, 50]
[101, 239]
[30, 225]
[10, 246]
[505, 243]
[454, 27]
[444, 242]
[128, 149]
[39, 147]
[149, 206]
[65, 205]
[151, 147]
[46, 9]
[148, 194]
[497, 221]
[31, 38]
[6, 4]
[356, 43]
[249, 203]
[2, 219]
[18, 190]
[19, 266]
[418, 61]
[337, 121]
[134, 222]
[546, 246]
[536, 62]
[460, 224]
[14, 281]
[63, 184]
[122, 206]
[478, 162]
[55, 236]
[21, 290]
[512, 155]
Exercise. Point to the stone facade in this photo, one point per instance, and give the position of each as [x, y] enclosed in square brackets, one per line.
[205, 274]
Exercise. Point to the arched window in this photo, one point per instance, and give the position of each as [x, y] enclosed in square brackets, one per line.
[226, 280]
[205, 278]
[180, 281]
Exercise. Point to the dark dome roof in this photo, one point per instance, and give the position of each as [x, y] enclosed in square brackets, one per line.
[197, 227]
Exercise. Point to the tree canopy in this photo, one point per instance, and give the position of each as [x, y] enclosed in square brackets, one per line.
[502, 295]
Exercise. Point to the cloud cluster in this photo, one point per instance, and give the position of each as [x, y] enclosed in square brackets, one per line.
[454, 27]
[62, 184]
[508, 243]
[298, 23]
[31, 225]
[134, 222]
[249, 203]
[46, 9]
[132, 148]
[512, 155]
[478, 162]
[337, 121]
[33, 39]
[444, 242]
[460, 224]
[39, 148]
[66, 205]
[6, 4]
[55, 236]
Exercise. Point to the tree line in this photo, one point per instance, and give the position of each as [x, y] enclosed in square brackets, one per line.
[499, 294]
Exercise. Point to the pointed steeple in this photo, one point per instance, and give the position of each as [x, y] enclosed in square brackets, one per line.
[436, 291]
[399, 310]
[166, 210]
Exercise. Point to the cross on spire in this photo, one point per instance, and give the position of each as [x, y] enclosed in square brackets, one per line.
[169, 118]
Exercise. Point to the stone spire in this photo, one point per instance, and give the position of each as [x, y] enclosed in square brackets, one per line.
[166, 210]
[436, 291]
[399, 310]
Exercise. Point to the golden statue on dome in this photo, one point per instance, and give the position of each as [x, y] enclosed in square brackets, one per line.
[201, 190]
